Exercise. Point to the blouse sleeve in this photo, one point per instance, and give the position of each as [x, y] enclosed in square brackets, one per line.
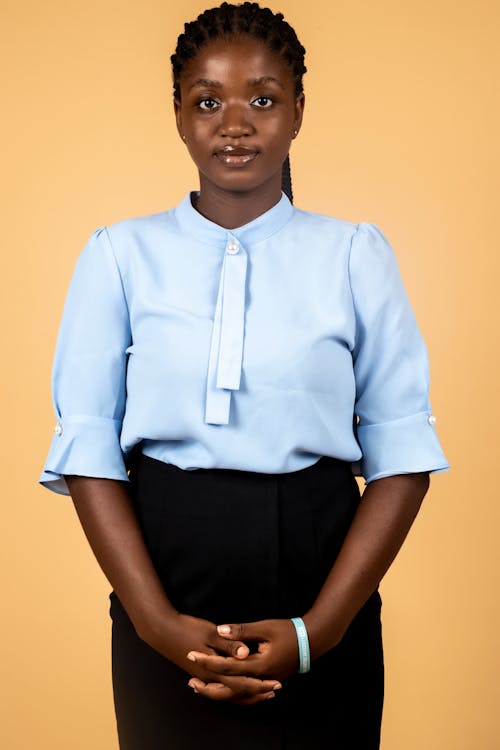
[395, 425]
[88, 371]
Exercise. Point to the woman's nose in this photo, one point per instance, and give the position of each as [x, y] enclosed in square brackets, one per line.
[235, 122]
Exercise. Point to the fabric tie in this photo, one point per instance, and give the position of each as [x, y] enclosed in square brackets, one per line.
[226, 349]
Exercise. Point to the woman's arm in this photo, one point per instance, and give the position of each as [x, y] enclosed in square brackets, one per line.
[112, 530]
[384, 517]
[110, 524]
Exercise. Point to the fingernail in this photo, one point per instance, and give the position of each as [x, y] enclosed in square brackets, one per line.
[241, 651]
[271, 695]
[191, 656]
[223, 629]
[278, 686]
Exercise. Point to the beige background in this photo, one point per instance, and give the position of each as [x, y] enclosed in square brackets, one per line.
[401, 129]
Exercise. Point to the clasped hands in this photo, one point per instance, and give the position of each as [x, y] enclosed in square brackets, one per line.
[239, 675]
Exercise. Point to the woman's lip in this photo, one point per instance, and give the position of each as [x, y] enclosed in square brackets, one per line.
[235, 160]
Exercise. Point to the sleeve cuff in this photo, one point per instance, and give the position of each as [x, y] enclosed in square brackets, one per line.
[402, 446]
[87, 446]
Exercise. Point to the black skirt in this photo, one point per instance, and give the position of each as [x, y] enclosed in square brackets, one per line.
[240, 546]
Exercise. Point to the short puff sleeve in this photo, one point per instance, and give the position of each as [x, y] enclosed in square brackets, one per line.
[395, 426]
[89, 371]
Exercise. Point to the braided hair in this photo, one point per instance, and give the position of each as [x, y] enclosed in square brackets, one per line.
[228, 21]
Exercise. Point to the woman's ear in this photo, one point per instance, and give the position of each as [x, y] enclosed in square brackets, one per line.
[299, 111]
[178, 118]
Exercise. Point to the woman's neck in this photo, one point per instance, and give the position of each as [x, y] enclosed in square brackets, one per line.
[232, 210]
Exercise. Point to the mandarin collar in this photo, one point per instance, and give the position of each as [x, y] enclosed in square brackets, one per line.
[260, 228]
[228, 332]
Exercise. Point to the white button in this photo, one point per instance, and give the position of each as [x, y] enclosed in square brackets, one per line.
[58, 429]
[232, 247]
[432, 419]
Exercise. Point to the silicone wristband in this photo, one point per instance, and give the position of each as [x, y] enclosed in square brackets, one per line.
[303, 641]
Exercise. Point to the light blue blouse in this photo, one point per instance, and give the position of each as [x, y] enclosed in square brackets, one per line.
[259, 348]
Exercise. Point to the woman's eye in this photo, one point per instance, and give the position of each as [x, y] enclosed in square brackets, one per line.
[264, 102]
[207, 104]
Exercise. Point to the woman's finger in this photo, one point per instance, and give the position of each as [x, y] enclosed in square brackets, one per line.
[227, 665]
[247, 686]
[237, 689]
[243, 631]
[240, 683]
[214, 690]
[234, 647]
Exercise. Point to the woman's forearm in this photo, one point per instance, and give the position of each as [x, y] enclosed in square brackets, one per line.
[108, 519]
[384, 517]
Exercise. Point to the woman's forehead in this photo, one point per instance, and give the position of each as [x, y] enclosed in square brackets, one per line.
[223, 60]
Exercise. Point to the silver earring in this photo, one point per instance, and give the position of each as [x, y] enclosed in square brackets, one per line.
[183, 137]
[295, 132]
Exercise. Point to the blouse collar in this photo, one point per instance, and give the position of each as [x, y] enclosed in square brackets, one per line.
[228, 331]
[260, 228]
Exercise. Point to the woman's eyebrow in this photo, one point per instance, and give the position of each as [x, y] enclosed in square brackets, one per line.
[264, 79]
[207, 82]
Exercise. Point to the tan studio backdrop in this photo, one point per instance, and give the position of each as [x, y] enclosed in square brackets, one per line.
[401, 129]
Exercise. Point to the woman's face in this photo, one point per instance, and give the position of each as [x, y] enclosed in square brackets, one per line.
[238, 113]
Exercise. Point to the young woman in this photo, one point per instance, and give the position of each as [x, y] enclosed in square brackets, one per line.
[222, 370]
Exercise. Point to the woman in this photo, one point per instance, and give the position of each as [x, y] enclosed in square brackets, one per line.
[240, 358]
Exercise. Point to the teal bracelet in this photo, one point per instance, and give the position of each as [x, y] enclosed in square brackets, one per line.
[303, 640]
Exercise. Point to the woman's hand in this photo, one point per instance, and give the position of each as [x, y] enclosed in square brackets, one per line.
[380, 526]
[277, 653]
[184, 634]
[108, 517]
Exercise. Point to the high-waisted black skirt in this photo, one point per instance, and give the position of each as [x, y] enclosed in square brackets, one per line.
[240, 546]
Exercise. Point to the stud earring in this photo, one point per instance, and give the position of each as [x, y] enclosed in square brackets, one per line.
[294, 133]
[183, 137]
